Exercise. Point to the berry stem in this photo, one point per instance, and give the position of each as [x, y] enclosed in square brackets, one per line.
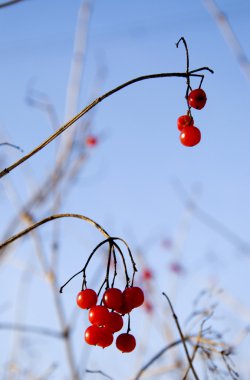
[115, 267]
[128, 329]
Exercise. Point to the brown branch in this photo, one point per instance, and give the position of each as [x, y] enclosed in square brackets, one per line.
[88, 108]
[182, 337]
[158, 355]
[48, 219]
[8, 3]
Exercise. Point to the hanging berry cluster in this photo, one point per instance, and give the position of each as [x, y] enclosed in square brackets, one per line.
[107, 317]
[191, 135]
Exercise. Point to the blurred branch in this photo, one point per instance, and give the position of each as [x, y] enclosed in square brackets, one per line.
[78, 59]
[224, 25]
[211, 221]
[92, 105]
[11, 2]
[31, 329]
[100, 372]
[38, 99]
[12, 145]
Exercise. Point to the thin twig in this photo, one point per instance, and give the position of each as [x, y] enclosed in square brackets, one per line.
[158, 355]
[182, 337]
[8, 3]
[49, 219]
[212, 222]
[88, 108]
[100, 372]
[12, 146]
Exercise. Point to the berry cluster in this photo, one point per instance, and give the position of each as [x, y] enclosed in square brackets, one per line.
[107, 318]
[191, 135]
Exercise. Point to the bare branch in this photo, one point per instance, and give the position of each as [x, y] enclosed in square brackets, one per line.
[49, 219]
[87, 109]
[8, 3]
[182, 337]
[158, 355]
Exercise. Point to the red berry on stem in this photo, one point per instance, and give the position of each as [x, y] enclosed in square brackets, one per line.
[86, 299]
[115, 322]
[197, 99]
[133, 296]
[112, 298]
[125, 342]
[124, 309]
[105, 338]
[190, 136]
[184, 121]
[98, 315]
[92, 334]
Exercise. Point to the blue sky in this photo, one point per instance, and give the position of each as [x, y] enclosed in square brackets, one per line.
[128, 182]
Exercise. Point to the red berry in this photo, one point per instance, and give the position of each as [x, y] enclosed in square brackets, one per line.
[125, 342]
[98, 315]
[197, 99]
[112, 298]
[190, 136]
[133, 296]
[92, 334]
[184, 121]
[115, 322]
[105, 338]
[98, 336]
[124, 309]
[91, 141]
[86, 298]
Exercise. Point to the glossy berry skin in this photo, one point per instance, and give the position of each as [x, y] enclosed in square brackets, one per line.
[190, 136]
[98, 315]
[133, 296]
[184, 121]
[124, 309]
[115, 322]
[105, 337]
[86, 299]
[125, 342]
[112, 298]
[98, 336]
[197, 99]
[92, 334]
